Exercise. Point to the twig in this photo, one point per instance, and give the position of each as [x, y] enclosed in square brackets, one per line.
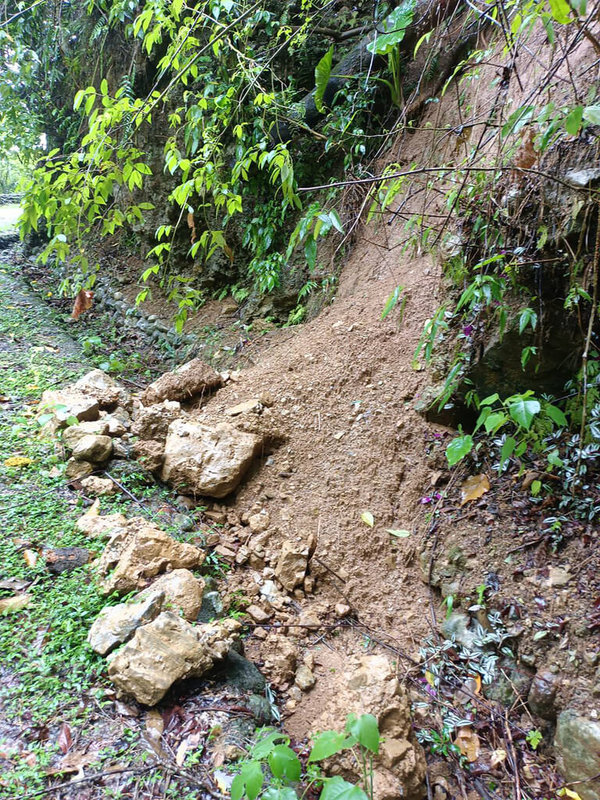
[89, 779]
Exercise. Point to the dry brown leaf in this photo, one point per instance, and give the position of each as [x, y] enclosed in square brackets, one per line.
[94, 509]
[467, 742]
[65, 739]
[154, 723]
[474, 487]
[15, 603]
[192, 227]
[181, 752]
[83, 302]
[498, 757]
[525, 157]
[30, 557]
[228, 252]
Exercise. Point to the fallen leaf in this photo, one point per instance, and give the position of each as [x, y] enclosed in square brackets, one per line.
[430, 678]
[467, 742]
[400, 533]
[192, 227]
[15, 603]
[18, 461]
[65, 739]
[154, 723]
[474, 487]
[498, 757]
[368, 518]
[181, 753]
[94, 509]
[83, 302]
[30, 557]
[566, 792]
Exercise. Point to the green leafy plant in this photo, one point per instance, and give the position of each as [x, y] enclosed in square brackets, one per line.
[273, 770]
[387, 44]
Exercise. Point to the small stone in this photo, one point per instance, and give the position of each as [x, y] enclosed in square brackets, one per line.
[149, 453]
[117, 624]
[241, 673]
[557, 576]
[212, 607]
[258, 614]
[577, 746]
[152, 422]
[74, 433]
[542, 695]
[94, 448]
[243, 408]
[66, 403]
[260, 708]
[342, 610]
[305, 679]
[259, 522]
[100, 527]
[98, 486]
[292, 565]
[76, 470]
[309, 584]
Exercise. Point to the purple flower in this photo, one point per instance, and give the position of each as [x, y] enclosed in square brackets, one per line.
[468, 330]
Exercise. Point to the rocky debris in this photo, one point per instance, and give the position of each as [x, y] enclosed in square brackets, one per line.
[258, 523]
[304, 680]
[117, 624]
[100, 527]
[542, 695]
[200, 460]
[342, 610]
[181, 589]
[242, 674]
[166, 650]
[65, 559]
[292, 565]
[212, 607]
[369, 684]
[116, 425]
[66, 403]
[76, 470]
[152, 422]
[93, 448]
[244, 408]
[577, 747]
[196, 378]
[74, 433]
[258, 614]
[280, 657]
[100, 386]
[149, 453]
[447, 570]
[140, 551]
[98, 486]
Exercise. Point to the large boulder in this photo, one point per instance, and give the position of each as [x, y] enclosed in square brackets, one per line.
[139, 552]
[106, 391]
[152, 422]
[167, 650]
[577, 745]
[181, 589]
[149, 453]
[200, 460]
[196, 378]
[101, 527]
[115, 625]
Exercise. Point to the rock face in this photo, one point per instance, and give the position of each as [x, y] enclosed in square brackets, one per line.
[152, 423]
[369, 685]
[138, 552]
[292, 565]
[200, 460]
[93, 448]
[167, 650]
[190, 380]
[181, 589]
[117, 624]
[577, 745]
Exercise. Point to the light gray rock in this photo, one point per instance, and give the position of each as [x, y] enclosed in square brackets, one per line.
[200, 460]
[117, 624]
[577, 745]
[74, 433]
[166, 650]
[139, 552]
[93, 448]
[181, 589]
[106, 391]
[305, 680]
[583, 178]
[292, 565]
[101, 527]
[152, 422]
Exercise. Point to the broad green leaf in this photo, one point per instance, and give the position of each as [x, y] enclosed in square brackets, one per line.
[495, 421]
[490, 399]
[573, 121]
[249, 781]
[339, 789]
[368, 518]
[265, 745]
[592, 114]
[399, 533]
[536, 487]
[458, 448]
[365, 730]
[322, 75]
[329, 743]
[561, 11]
[394, 25]
[556, 415]
[284, 763]
[507, 450]
[554, 459]
[523, 411]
